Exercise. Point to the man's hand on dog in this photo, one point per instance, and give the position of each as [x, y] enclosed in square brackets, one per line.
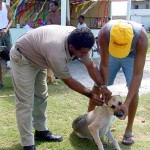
[124, 108]
[97, 100]
[106, 94]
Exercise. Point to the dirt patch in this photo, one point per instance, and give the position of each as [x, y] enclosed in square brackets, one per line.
[141, 121]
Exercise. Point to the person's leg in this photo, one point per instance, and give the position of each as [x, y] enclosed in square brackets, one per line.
[8, 44]
[23, 76]
[114, 66]
[40, 101]
[132, 112]
[1, 81]
[127, 66]
[8, 40]
[39, 112]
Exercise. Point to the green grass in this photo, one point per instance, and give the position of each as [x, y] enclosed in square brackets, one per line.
[148, 43]
[63, 106]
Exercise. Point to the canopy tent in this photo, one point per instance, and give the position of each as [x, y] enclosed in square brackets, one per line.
[65, 7]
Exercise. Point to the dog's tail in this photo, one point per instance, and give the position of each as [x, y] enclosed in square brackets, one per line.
[79, 123]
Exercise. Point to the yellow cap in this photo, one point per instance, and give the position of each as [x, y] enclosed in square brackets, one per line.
[121, 35]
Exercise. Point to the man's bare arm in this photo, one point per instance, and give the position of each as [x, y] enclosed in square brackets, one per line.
[10, 18]
[94, 72]
[139, 62]
[104, 64]
[78, 87]
[97, 78]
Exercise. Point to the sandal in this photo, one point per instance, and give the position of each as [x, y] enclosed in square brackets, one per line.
[126, 140]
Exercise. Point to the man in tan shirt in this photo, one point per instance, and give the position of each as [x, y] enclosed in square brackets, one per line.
[50, 46]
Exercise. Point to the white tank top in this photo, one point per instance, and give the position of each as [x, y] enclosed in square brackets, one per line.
[3, 16]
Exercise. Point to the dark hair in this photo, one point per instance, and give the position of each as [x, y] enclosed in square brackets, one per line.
[55, 3]
[81, 38]
[81, 16]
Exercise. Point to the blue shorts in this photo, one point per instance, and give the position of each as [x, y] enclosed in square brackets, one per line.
[127, 65]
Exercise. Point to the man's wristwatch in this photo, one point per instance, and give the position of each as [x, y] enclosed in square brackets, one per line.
[103, 87]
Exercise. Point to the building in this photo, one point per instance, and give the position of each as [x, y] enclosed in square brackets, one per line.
[140, 12]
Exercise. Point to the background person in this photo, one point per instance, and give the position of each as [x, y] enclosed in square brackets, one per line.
[6, 21]
[123, 44]
[81, 23]
[55, 16]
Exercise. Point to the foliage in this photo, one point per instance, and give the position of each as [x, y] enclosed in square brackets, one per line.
[63, 106]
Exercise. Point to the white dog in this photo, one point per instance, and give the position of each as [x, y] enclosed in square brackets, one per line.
[98, 123]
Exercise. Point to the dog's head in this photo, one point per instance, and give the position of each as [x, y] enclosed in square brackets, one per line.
[115, 101]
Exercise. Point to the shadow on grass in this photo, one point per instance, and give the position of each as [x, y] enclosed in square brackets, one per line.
[82, 144]
[14, 147]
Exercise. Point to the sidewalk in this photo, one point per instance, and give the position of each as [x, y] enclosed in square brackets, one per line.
[79, 72]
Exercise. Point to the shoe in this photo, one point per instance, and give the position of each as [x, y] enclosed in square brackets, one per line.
[128, 139]
[47, 136]
[32, 147]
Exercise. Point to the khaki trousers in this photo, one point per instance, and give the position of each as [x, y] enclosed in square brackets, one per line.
[31, 96]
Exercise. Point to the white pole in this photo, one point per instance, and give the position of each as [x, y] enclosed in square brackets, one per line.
[8, 2]
[128, 10]
[68, 10]
[63, 12]
[110, 2]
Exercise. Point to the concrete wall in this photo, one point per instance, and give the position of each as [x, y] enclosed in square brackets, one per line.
[141, 4]
[141, 12]
[141, 15]
[16, 33]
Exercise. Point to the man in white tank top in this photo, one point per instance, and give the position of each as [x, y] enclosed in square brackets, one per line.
[6, 21]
